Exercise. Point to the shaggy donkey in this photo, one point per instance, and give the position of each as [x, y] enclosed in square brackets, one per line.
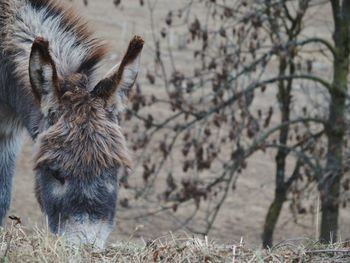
[49, 87]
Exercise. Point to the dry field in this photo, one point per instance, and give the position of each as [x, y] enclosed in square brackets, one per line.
[16, 245]
[243, 213]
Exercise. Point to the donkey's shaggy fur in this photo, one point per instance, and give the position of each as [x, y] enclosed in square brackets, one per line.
[49, 86]
[83, 121]
[72, 45]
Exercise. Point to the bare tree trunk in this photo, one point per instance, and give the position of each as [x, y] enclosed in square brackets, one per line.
[272, 218]
[284, 100]
[280, 190]
[330, 183]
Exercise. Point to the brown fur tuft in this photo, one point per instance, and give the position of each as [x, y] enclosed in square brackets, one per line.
[84, 141]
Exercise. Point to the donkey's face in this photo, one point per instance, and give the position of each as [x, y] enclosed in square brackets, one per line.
[80, 148]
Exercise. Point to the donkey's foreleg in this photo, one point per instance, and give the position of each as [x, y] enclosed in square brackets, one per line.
[9, 146]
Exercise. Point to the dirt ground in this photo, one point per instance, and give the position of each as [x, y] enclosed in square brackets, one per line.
[243, 213]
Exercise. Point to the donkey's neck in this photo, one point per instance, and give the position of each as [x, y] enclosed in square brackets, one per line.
[18, 97]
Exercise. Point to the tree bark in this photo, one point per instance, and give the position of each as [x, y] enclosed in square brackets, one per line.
[272, 218]
[330, 182]
[280, 190]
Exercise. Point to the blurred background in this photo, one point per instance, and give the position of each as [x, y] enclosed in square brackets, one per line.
[237, 126]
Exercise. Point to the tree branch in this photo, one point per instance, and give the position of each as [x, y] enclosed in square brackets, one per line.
[317, 40]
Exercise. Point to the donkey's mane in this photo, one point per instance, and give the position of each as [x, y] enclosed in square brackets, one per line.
[73, 47]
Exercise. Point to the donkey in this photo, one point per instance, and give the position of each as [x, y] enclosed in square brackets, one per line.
[49, 86]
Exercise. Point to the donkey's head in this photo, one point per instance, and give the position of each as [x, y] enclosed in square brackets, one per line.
[80, 148]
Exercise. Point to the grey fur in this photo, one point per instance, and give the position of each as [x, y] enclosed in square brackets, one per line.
[9, 145]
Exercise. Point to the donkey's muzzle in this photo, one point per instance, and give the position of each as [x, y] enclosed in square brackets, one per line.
[93, 233]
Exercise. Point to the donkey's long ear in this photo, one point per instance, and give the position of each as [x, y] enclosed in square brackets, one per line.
[122, 77]
[42, 73]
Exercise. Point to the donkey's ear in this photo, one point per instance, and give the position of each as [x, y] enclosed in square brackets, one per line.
[119, 81]
[42, 72]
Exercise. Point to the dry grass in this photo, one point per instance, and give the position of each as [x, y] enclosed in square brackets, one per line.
[20, 245]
